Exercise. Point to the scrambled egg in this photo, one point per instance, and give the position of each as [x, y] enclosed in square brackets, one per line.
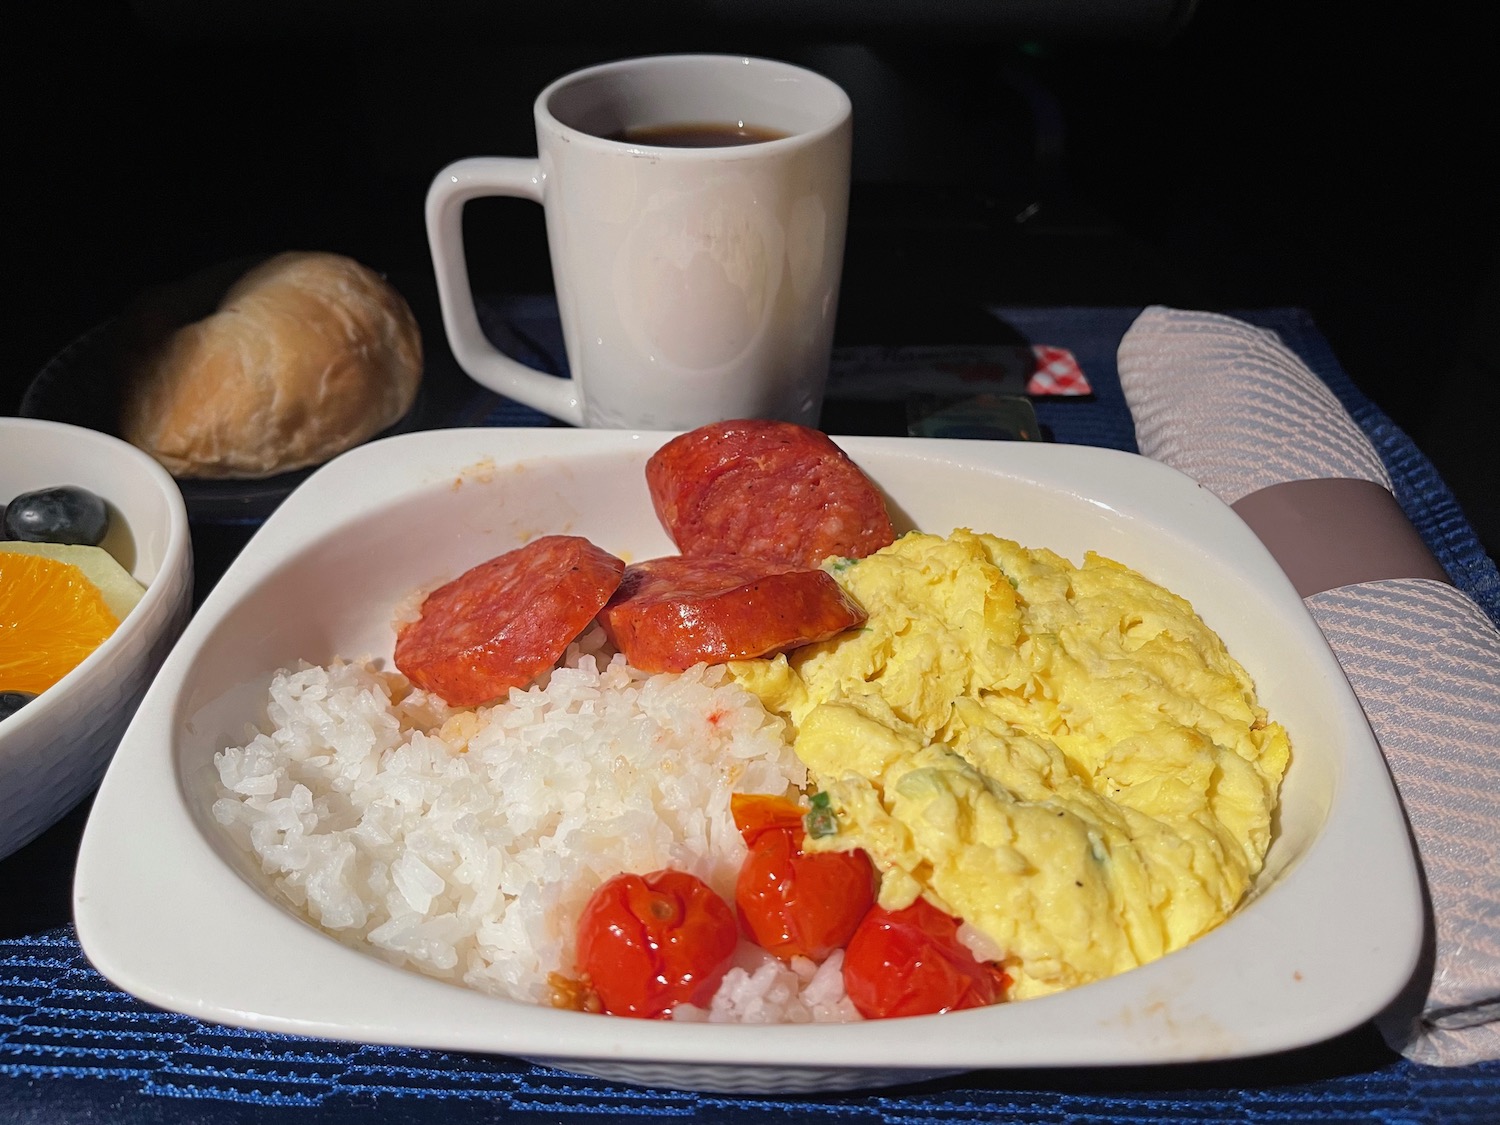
[1065, 757]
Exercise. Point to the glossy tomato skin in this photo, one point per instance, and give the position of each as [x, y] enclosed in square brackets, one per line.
[910, 962]
[790, 902]
[648, 942]
[754, 813]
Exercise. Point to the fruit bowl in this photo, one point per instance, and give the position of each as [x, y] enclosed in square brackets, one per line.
[54, 750]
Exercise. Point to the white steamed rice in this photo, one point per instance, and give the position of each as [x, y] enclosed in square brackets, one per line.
[464, 844]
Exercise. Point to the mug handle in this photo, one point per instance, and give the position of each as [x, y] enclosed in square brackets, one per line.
[454, 186]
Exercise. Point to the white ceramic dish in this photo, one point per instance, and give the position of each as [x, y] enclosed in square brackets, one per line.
[54, 750]
[167, 909]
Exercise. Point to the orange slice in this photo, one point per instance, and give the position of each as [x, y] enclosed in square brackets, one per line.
[51, 618]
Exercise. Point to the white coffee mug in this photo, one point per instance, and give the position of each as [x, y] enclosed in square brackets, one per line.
[694, 284]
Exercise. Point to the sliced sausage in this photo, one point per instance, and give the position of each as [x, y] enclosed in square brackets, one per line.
[506, 621]
[671, 613]
[772, 490]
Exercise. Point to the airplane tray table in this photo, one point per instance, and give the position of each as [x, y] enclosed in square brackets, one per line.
[74, 1049]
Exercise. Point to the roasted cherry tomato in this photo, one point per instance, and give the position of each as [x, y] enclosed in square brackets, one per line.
[910, 963]
[790, 902]
[647, 942]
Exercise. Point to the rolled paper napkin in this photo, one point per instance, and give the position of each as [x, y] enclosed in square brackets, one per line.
[1231, 406]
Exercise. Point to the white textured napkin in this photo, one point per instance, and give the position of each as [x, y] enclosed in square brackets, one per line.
[1231, 406]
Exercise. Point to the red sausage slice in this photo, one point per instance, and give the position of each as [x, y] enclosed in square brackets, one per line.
[671, 613]
[773, 490]
[506, 621]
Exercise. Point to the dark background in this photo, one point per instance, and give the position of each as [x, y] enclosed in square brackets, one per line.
[1247, 152]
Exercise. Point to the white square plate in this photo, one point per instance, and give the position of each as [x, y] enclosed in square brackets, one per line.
[169, 910]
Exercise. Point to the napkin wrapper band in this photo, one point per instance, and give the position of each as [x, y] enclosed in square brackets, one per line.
[1332, 532]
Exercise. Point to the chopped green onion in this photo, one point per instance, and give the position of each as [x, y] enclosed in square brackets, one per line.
[821, 821]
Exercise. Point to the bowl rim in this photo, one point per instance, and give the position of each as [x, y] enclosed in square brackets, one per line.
[1375, 922]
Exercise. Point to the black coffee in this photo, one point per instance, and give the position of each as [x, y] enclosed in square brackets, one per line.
[698, 134]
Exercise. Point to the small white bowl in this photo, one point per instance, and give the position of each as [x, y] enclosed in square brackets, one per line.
[171, 910]
[54, 750]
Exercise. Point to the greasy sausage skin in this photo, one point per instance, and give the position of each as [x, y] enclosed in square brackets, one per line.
[506, 621]
[671, 613]
[772, 490]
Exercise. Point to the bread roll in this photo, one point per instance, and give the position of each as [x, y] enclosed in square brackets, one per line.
[307, 355]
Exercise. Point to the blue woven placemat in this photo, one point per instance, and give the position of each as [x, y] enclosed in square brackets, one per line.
[75, 1049]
